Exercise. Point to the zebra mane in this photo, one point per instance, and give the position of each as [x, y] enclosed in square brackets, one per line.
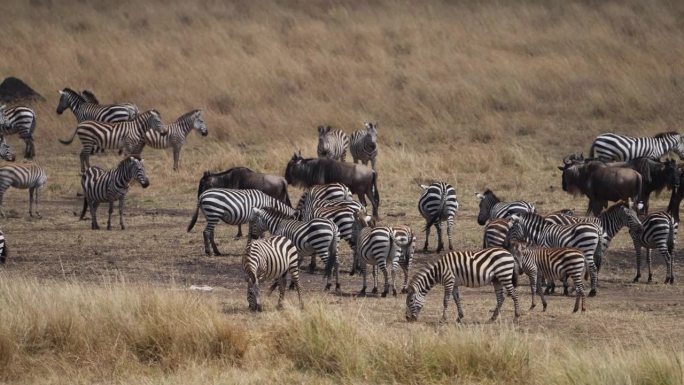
[490, 192]
[186, 115]
[665, 134]
[74, 93]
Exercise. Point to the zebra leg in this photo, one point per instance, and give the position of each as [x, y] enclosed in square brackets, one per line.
[93, 211]
[404, 288]
[31, 190]
[427, 237]
[385, 274]
[312, 264]
[666, 256]
[364, 271]
[282, 282]
[121, 211]
[208, 234]
[648, 264]
[637, 251]
[85, 207]
[594, 278]
[566, 291]
[514, 295]
[440, 243]
[176, 157]
[579, 294]
[85, 158]
[532, 275]
[36, 192]
[294, 279]
[498, 289]
[3, 188]
[450, 228]
[239, 233]
[457, 299]
[448, 293]
[374, 271]
[109, 219]
[324, 258]
[541, 294]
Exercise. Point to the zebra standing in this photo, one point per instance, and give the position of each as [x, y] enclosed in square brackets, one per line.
[87, 109]
[30, 176]
[438, 203]
[129, 136]
[332, 143]
[659, 232]
[177, 133]
[406, 243]
[364, 144]
[491, 207]
[6, 152]
[324, 192]
[317, 236]
[19, 120]
[496, 230]
[471, 269]
[614, 147]
[3, 247]
[233, 207]
[266, 259]
[101, 186]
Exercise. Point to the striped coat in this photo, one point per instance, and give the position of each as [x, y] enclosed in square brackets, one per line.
[375, 246]
[332, 143]
[438, 203]
[177, 133]
[659, 232]
[23, 176]
[364, 144]
[3, 247]
[85, 109]
[22, 121]
[491, 207]
[6, 152]
[614, 147]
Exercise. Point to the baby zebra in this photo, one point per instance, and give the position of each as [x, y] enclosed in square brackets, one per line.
[101, 186]
[406, 243]
[364, 144]
[659, 232]
[472, 269]
[332, 143]
[550, 263]
[266, 259]
[375, 246]
[28, 176]
[177, 133]
[491, 207]
[437, 203]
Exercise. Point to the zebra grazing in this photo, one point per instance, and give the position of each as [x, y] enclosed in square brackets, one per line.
[406, 242]
[28, 176]
[101, 186]
[6, 152]
[552, 264]
[317, 236]
[614, 147]
[364, 144]
[234, 207]
[471, 269]
[659, 232]
[324, 192]
[129, 136]
[85, 107]
[19, 120]
[332, 143]
[438, 203]
[177, 133]
[588, 237]
[491, 207]
[3, 247]
[266, 259]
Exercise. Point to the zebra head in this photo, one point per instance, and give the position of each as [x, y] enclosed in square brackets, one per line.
[136, 169]
[630, 216]
[5, 150]
[371, 138]
[415, 300]
[198, 123]
[257, 223]
[516, 230]
[67, 99]
[323, 141]
[487, 201]
[153, 121]
[253, 297]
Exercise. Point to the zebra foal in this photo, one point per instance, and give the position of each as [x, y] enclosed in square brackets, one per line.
[437, 203]
[22, 121]
[177, 133]
[29, 176]
[364, 144]
[332, 143]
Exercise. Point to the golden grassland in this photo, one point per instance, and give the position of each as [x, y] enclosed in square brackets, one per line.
[480, 95]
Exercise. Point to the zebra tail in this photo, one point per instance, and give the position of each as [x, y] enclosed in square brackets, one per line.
[68, 141]
[332, 255]
[671, 237]
[194, 217]
[514, 279]
[376, 193]
[598, 255]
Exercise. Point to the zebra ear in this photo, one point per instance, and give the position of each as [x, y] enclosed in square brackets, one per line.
[479, 196]
[424, 186]
[60, 92]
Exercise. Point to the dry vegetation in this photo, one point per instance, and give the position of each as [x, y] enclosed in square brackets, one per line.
[478, 95]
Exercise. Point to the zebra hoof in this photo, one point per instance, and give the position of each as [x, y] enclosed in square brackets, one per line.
[544, 307]
[384, 294]
[636, 279]
[375, 290]
[566, 292]
[327, 287]
[404, 290]
[291, 287]
[592, 293]
[533, 306]
[362, 293]
[650, 279]
[394, 292]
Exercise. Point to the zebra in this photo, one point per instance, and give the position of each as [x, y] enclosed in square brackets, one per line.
[465, 268]
[234, 207]
[324, 192]
[90, 97]
[491, 207]
[406, 243]
[177, 133]
[3, 247]
[24, 176]
[6, 152]
[364, 144]
[659, 232]
[332, 143]
[85, 107]
[127, 135]
[495, 233]
[19, 120]
[101, 186]
[588, 237]
[342, 216]
[437, 203]
[270, 258]
[615, 147]
[317, 236]
[551, 263]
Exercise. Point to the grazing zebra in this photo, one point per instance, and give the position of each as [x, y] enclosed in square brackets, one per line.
[551, 263]
[19, 120]
[6, 152]
[614, 147]
[101, 186]
[466, 268]
[85, 107]
[406, 242]
[3, 247]
[332, 143]
[659, 232]
[588, 237]
[324, 192]
[317, 236]
[177, 133]
[129, 136]
[266, 259]
[364, 144]
[28, 176]
[491, 207]
[438, 203]
[234, 207]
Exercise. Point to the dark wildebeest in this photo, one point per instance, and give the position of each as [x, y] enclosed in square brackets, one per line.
[242, 178]
[656, 175]
[676, 196]
[360, 179]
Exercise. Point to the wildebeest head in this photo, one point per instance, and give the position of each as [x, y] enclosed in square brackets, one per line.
[672, 173]
[371, 137]
[293, 168]
[574, 176]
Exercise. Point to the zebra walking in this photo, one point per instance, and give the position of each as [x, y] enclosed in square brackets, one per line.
[317, 236]
[129, 136]
[270, 259]
[364, 144]
[332, 143]
[552, 264]
[406, 243]
[471, 269]
[233, 207]
[177, 133]
[101, 186]
[6, 152]
[614, 147]
[22, 121]
[491, 207]
[85, 107]
[438, 203]
[23, 176]
[659, 232]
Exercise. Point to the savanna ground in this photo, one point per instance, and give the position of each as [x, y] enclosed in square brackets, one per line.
[478, 95]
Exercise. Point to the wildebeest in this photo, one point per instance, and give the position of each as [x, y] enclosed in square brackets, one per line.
[243, 178]
[360, 179]
[676, 196]
[656, 175]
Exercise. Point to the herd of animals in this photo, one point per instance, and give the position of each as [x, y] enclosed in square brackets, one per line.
[556, 246]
